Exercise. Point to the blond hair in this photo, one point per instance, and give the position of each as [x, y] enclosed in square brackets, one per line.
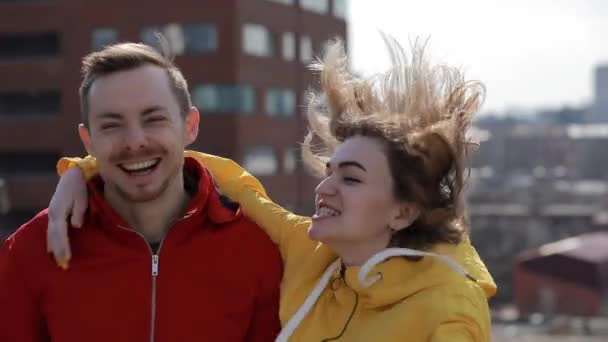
[420, 112]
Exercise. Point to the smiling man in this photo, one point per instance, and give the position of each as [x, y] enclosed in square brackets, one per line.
[162, 256]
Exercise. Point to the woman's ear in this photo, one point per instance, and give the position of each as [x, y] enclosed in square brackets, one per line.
[404, 215]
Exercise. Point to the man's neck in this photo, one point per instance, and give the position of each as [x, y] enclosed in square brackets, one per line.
[152, 218]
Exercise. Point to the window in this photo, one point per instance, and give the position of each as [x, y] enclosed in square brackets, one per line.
[288, 46]
[30, 103]
[224, 98]
[325, 46]
[284, 2]
[103, 37]
[29, 45]
[280, 102]
[339, 9]
[183, 38]
[257, 40]
[12, 163]
[289, 160]
[305, 49]
[200, 38]
[317, 6]
[20, 1]
[261, 161]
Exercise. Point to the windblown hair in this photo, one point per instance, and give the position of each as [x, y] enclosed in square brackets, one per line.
[420, 113]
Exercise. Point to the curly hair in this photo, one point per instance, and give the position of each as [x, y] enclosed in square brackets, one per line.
[420, 113]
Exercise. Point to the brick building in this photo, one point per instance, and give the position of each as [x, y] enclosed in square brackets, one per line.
[245, 61]
[567, 277]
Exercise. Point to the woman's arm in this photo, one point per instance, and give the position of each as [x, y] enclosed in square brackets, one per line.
[281, 225]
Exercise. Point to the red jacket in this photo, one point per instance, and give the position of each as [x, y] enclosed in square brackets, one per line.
[216, 278]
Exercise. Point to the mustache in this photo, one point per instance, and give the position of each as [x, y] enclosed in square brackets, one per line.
[141, 153]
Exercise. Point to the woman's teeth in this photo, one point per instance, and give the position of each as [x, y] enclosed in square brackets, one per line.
[324, 211]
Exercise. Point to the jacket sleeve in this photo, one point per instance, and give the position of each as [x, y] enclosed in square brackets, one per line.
[20, 315]
[456, 332]
[286, 229]
[467, 322]
[88, 165]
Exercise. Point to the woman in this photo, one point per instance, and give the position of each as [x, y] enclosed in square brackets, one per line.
[386, 256]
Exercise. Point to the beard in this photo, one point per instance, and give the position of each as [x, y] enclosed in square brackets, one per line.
[141, 193]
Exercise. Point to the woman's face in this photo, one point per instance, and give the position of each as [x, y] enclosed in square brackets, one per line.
[355, 203]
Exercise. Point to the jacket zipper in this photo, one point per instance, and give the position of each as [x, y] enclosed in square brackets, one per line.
[155, 268]
[154, 276]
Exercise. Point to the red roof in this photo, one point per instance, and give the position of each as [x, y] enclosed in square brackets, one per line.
[581, 259]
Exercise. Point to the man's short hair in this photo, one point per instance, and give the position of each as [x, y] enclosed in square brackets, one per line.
[128, 56]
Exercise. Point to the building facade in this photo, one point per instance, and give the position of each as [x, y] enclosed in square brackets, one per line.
[245, 61]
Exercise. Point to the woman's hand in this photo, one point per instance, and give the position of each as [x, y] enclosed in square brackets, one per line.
[69, 202]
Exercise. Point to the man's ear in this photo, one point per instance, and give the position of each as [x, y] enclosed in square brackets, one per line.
[85, 137]
[192, 122]
[405, 214]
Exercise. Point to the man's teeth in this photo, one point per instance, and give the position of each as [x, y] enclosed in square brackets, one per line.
[324, 211]
[139, 165]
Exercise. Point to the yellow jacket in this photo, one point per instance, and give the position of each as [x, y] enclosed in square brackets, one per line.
[425, 300]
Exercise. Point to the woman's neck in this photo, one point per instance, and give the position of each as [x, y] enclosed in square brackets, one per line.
[356, 254]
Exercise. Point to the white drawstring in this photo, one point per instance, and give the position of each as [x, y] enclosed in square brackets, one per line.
[310, 301]
[392, 252]
[377, 258]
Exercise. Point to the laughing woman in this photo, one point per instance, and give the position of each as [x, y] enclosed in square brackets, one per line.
[386, 256]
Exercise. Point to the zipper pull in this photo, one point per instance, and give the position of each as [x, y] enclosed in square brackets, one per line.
[155, 265]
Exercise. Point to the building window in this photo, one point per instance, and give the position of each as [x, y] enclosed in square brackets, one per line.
[289, 161]
[17, 163]
[340, 8]
[305, 49]
[257, 40]
[21, 1]
[283, 2]
[280, 102]
[41, 102]
[224, 98]
[325, 46]
[103, 37]
[29, 45]
[288, 46]
[317, 6]
[261, 161]
[200, 38]
[183, 39]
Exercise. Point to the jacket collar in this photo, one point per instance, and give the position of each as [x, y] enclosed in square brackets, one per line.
[399, 278]
[205, 201]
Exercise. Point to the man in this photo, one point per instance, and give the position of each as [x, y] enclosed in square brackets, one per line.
[162, 256]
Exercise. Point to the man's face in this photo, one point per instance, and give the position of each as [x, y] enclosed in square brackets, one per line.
[137, 133]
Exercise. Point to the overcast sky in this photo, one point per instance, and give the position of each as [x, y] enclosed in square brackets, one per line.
[529, 53]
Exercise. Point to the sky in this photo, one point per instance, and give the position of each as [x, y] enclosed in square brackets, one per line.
[530, 54]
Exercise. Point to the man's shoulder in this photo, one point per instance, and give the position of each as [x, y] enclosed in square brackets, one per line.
[33, 229]
[251, 239]
[29, 238]
[251, 232]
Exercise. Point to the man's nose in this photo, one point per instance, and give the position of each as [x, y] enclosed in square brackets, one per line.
[135, 138]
